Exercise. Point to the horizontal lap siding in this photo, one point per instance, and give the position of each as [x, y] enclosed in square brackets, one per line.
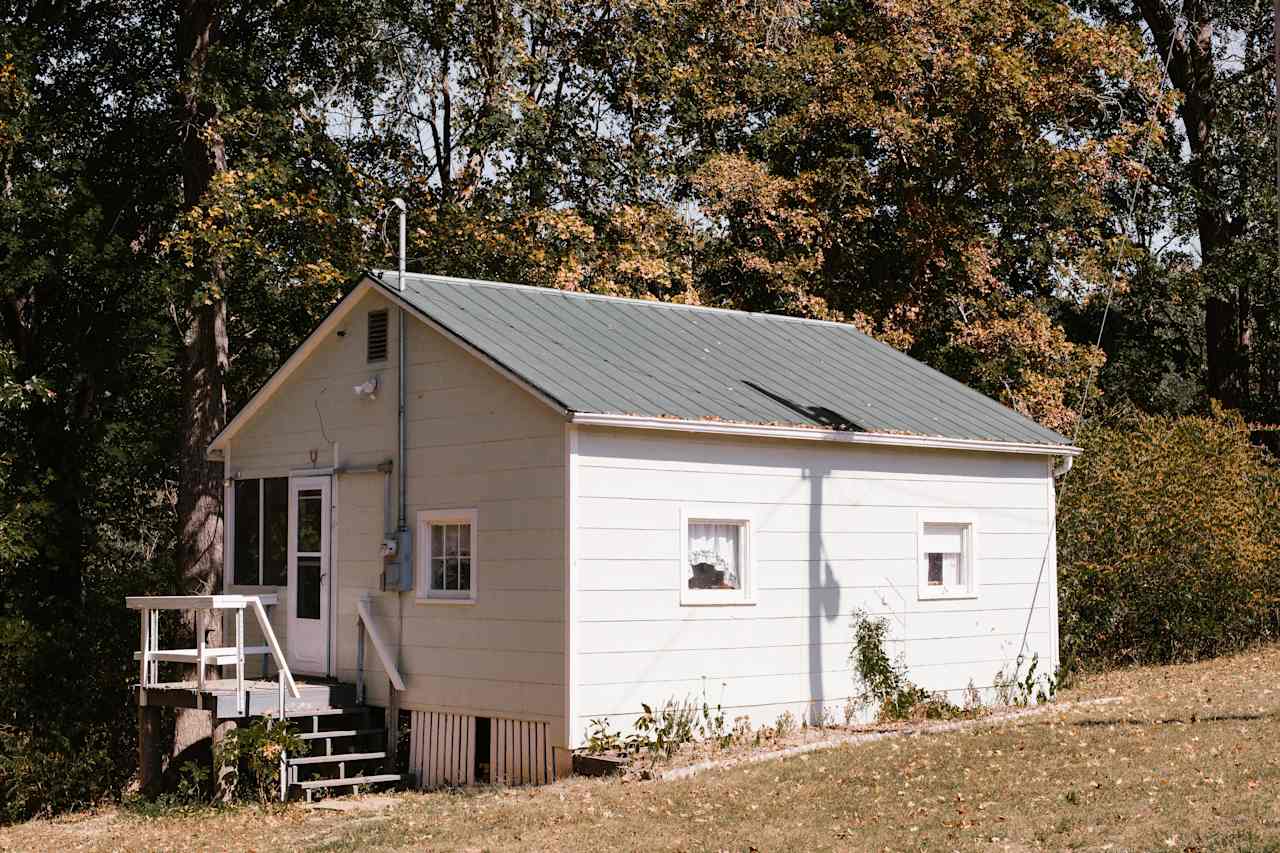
[835, 530]
[475, 440]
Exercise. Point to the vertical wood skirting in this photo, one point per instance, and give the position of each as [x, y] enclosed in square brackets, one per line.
[520, 753]
[442, 749]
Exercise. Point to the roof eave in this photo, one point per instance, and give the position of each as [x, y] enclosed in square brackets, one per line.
[781, 431]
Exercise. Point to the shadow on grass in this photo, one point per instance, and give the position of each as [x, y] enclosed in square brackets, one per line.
[1175, 721]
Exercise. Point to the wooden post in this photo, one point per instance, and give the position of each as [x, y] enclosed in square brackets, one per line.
[146, 661]
[393, 724]
[240, 697]
[150, 739]
[153, 674]
[359, 660]
[198, 619]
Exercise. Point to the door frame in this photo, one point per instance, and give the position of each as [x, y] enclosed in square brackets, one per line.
[318, 640]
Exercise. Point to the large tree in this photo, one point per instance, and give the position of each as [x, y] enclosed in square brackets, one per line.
[940, 172]
[1214, 206]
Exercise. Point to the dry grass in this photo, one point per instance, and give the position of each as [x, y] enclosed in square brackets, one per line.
[1188, 760]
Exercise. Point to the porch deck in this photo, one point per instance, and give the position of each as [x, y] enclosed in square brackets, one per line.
[261, 697]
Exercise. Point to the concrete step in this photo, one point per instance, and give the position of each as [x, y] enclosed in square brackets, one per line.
[336, 757]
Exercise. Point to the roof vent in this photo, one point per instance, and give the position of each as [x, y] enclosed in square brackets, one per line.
[377, 340]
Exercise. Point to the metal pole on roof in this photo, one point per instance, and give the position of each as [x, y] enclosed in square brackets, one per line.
[399, 203]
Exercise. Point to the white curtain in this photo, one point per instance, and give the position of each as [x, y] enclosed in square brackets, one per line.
[710, 542]
[948, 540]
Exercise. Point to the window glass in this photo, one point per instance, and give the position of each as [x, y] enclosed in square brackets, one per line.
[944, 550]
[309, 515]
[450, 558]
[246, 538]
[275, 531]
[308, 591]
[715, 555]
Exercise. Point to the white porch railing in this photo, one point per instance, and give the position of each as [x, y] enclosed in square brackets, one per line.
[366, 625]
[151, 655]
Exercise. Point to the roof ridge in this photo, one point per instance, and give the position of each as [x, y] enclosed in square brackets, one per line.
[579, 294]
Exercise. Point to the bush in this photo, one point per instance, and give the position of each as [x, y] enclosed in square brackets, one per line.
[1168, 542]
[252, 752]
[883, 682]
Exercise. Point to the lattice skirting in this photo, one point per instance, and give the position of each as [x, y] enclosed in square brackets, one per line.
[442, 750]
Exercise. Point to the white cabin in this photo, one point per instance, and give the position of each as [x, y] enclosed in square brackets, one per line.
[613, 501]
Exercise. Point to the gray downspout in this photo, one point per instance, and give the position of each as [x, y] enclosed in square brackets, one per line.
[402, 534]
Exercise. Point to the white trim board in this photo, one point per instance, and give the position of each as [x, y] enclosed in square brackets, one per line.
[818, 434]
[329, 325]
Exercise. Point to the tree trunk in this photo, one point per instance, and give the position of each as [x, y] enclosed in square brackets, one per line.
[1192, 70]
[205, 349]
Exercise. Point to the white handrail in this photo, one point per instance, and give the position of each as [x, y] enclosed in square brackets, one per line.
[151, 653]
[276, 652]
[379, 645]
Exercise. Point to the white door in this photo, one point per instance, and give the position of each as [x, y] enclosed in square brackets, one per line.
[309, 554]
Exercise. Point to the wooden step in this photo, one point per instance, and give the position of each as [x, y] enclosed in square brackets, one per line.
[337, 757]
[314, 784]
[317, 711]
[340, 733]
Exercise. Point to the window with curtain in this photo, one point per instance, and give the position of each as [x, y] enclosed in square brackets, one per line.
[715, 555]
[946, 559]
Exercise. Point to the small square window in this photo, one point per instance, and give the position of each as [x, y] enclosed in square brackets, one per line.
[716, 564]
[715, 555]
[946, 559]
[447, 556]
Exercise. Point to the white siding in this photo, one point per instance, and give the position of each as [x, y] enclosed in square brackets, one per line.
[835, 531]
[475, 440]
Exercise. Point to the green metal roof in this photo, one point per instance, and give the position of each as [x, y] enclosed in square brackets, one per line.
[608, 355]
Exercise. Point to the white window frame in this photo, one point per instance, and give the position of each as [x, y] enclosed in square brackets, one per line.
[969, 555]
[711, 514]
[426, 518]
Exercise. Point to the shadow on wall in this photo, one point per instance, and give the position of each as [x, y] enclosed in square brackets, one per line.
[824, 595]
[824, 591]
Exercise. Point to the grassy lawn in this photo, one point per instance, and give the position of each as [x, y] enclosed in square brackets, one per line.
[1189, 759]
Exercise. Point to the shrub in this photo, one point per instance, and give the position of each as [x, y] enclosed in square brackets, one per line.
[1168, 542]
[884, 682]
[253, 754]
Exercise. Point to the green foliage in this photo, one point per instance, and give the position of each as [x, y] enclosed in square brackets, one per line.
[668, 728]
[45, 772]
[1168, 542]
[1019, 690]
[662, 732]
[883, 682]
[253, 753]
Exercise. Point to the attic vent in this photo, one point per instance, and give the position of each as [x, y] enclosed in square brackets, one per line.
[377, 347]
